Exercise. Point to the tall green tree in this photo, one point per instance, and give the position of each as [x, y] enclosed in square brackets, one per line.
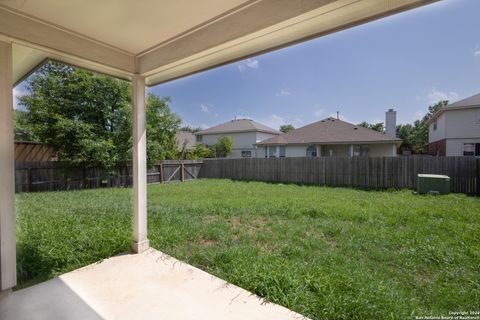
[162, 128]
[404, 132]
[23, 130]
[374, 126]
[86, 117]
[223, 147]
[190, 129]
[419, 136]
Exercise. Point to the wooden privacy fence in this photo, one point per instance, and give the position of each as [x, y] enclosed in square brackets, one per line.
[57, 176]
[360, 172]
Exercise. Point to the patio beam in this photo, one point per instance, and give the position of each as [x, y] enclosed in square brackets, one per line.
[61, 42]
[8, 272]
[258, 28]
[140, 241]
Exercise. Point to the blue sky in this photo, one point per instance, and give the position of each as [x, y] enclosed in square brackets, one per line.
[407, 62]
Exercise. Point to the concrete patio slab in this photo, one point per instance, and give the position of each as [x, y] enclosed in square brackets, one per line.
[150, 285]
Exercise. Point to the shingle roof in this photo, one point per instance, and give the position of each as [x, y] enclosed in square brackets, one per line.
[467, 103]
[240, 125]
[330, 130]
[187, 138]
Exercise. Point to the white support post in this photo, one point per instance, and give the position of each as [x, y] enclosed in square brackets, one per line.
[140, 241]
[8, 272]
[319, 150]
[351, 150]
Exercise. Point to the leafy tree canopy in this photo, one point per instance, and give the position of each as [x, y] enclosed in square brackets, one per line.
[223, 147]
[286, 128]
[22, 129]
[414, 136]
[190, 129]
[162, 127]
[86, 117]
[374, 126]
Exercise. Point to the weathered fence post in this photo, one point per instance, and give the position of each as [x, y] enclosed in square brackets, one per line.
[477, 182]
[182, 172]
[29, 179]
[161, 172]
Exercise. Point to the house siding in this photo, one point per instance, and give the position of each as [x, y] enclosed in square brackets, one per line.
[337, 150]
[383, 150]
[440, 132]
[464, 123]
[454, 147]
[454, 129]
[242, 141]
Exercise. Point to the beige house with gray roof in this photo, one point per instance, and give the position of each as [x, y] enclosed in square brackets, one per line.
[329, 138]
[245, 133]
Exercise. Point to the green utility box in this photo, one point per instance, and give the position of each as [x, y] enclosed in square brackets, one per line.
[433, 183]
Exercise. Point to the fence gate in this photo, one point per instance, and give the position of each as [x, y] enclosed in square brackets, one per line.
[173, 170]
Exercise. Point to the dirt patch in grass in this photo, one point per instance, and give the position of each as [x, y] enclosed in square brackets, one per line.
[207, 242]
[250, 227]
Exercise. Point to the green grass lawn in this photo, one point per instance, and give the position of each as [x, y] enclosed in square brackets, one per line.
[328, 253]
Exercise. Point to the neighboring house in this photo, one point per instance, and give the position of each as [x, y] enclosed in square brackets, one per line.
[331, 138]
[455, 129]
[185, 139]
[245, 133]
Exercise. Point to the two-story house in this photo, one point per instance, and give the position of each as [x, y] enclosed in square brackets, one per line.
[455, 129]
[245, 134]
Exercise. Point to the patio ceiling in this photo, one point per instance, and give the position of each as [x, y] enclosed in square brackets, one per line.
[164, 40]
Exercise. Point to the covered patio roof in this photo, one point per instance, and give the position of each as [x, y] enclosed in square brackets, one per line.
[164, 40]
[148, 42]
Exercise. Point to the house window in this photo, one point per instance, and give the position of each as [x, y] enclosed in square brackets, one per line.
[311, 151]
[361, 151]
[246, 154]
[281, 151]
[199, 138]
[272, 151]
[435, 124]
[469, 149]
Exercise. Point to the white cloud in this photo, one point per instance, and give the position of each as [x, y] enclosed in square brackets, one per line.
[435, 96]
[284, 93]
[477, 53]
[248, 64]
[204, 108]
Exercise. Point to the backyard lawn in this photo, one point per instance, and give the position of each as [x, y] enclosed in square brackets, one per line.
[328, 253]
